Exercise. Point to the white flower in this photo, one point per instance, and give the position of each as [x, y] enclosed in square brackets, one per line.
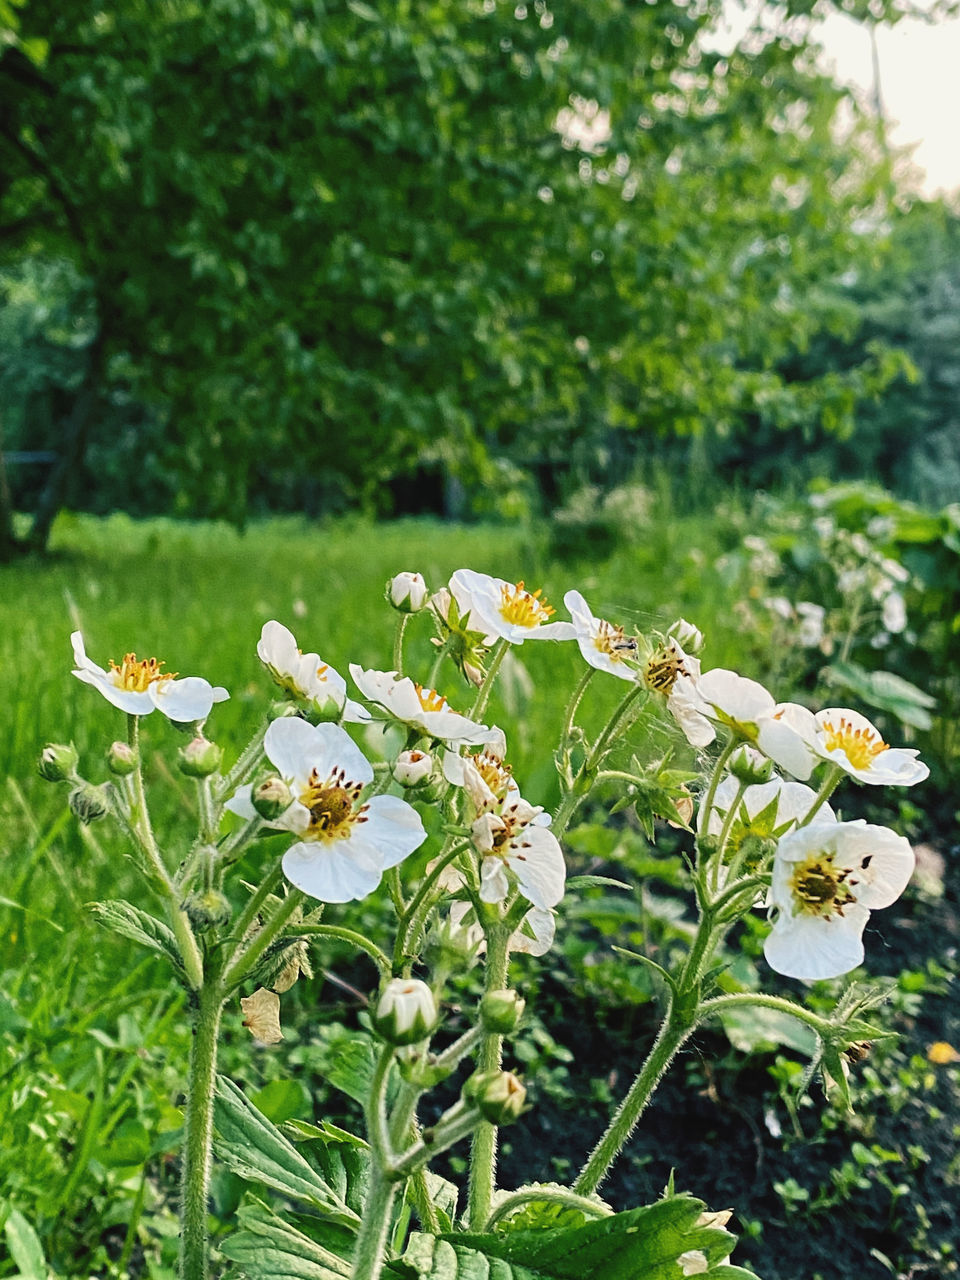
[406, 1011]
[411, 767]
[849, 740]
[344, 846]
[423, 709]
[505, 609]
[768, 810]
[810, 617]
[305, 676]
[408, 592]
[602, 645]
[827, 878]
[673, 674]
[511, 838]
[894, 613]
[749, 711]
[139, 686]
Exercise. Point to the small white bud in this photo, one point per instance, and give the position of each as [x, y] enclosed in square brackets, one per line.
[412, 767]
[406, 1011]
[408, 592]
[688, 637]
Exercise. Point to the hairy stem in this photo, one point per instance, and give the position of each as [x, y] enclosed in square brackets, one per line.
[483, 1158]
[198, 1134]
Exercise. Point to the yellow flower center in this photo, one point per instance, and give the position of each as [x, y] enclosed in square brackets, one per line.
[430, 700]
[611, 641]
[331, 804]
[494, 772]
[818, 886]
[662, 670]
[523, 608]
[136, 676]
[861, 746]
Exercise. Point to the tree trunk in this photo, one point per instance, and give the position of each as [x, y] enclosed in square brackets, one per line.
[10, 545]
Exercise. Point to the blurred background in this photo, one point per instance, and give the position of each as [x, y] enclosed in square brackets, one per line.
[469, 259]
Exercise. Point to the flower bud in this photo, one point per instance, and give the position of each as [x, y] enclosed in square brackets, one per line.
[688, 637]
[501, 1011]
[405, 1012]
[498, 1095]
[121, 759]
[87, 802]
[440, 603]
[750, 767]
[407, 592]
[452, 946]
[199, 758]
[57, 762]
[412, 767]
[327, 707]
[271, 797]
[207, 909]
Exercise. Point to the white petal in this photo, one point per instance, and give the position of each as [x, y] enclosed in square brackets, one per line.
[296, 748]
[135, 704]
[536, 933]
[394, 829]
[80, 656]
[241, 804]
[785, 747]
[812, 948]
[536, 859]
[741, 699]
[277, 647]
[183, 700]
[330, 871]
[494, 885]
[687, 709]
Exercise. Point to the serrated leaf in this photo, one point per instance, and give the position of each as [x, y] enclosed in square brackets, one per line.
[256, 1150]
[267, 1247]
[885, 691]
[25, 1247]
[639, 1243]
[130, 922]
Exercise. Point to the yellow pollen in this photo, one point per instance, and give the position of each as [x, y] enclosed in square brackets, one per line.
[136, 676]
[662, 669]
[611, 641]
[861, 746]
[322, 671]
[818, 886]
[430, 700]
[494, 773]
[523, 608]
[331, 804]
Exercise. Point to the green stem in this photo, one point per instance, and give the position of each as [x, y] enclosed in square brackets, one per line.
[379, 958]
[245, 766]
[371, 1246]
[198, 1135]
[547, 1195]
[725, 829]
[415, 914]
[669, 1039]
[614, 725]
[251, 911]
[739, 1000]
[241, 964]
[575, 699]
[486, 688]
[398, 643]
[827, 787]
[483, 1159]
[205, 812]
[707, 808]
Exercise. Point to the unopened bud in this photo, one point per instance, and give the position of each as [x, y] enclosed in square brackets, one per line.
[87, 802]
[208, 909]
[121, 759]
[407, 592]
[412, 767]
[440, 603]
[406, 1011]
[199, 758]
[750, 767]
[498, 1095]
[452, 945]
[271, 797]
[326, 708]
[688, 637]
[501, 1011]
[473, 673]
[57, 762]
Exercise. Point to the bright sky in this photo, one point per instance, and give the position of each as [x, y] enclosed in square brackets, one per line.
[919, 81]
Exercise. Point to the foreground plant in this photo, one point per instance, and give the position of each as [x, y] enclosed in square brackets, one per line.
[489, 884]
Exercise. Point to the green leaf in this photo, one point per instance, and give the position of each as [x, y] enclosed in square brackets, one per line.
[130, 1145]
[268, 1247]
[25, 1247]
[595, 882]
[885, 691]
[751, 1028]
[643, 1243]
[280, 1100]
[130, 922]
[257, 1151]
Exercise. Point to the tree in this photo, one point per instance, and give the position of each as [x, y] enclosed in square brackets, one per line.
[323, 243]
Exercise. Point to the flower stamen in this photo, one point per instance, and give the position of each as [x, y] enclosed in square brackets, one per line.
[331, 804]
[819, 888]
[611, 641]
[136, 675]
[430, 700]
[523, 608]
[861, 746]
[663, 669]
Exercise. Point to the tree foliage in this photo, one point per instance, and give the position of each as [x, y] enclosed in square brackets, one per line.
[302, 247]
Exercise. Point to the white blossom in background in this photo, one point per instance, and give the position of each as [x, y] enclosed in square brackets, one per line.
[602, 645]
[849, 740]
[344, 845]
[421, 708]
[506, 610]
[139, 687]
[305, 675]
[827, 878]
[894, 612]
